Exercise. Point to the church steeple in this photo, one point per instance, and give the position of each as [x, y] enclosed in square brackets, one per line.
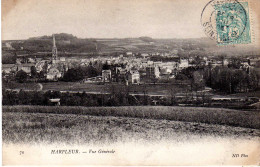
[54, 51]
[54, 44]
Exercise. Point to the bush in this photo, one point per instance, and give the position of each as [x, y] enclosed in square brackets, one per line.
[21, 76]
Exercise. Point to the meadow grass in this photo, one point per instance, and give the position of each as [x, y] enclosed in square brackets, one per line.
[247, 119]
[35, 128]
[92, 87]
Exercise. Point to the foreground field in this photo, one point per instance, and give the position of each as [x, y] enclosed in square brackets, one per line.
[247, 119]
[34, 128]
[112, 124]
[138, 135]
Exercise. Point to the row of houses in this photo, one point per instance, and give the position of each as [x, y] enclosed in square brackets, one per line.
[132, 76]
[128, 77]
[9, 68]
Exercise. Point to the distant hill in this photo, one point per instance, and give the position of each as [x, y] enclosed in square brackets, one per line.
[71, 44]
[64, 43]
[146, 39]
[61, 36]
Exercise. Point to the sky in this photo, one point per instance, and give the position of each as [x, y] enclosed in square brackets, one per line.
[22, 19]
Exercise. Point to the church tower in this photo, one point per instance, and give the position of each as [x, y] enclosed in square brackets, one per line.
[54, 52]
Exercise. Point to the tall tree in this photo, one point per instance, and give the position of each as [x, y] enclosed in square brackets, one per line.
[33, 72]
[21, 76]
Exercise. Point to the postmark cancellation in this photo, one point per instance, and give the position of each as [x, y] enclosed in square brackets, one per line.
[227, 21]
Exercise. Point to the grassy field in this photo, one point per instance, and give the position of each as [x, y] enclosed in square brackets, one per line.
[88, 87]
[74, 129]
[247, 119]
[99, 125]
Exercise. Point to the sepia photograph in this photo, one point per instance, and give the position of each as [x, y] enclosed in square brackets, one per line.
[130, 82]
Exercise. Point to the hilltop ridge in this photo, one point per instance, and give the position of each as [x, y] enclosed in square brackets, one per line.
[71, 44]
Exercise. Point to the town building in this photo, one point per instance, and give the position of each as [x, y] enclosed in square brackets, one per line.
[121, 74]
[129, 53]
[25, 67]
[157, 72]
[53, 74]
[184, 63]
[152, 72]
[134, 77]
[8, 68]
[106, 75]
[55, 102]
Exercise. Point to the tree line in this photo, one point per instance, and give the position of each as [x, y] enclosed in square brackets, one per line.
[116, 97]
[231, 80]
[221, 78]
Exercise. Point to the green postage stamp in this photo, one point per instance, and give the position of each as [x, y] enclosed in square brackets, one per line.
[232, 23]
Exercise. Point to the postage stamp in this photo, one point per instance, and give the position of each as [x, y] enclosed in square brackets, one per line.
[227, 21]
[232, 23]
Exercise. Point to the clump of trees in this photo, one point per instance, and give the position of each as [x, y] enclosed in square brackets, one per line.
[21, 76]
[116, 97]
[8, 57]
[228, 79]
[79, 73]
[231, 80]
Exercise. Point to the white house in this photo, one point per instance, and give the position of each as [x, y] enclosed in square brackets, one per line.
[129, 53]
[184, 63]
[134, 77]
[106, 75]
[53, 74]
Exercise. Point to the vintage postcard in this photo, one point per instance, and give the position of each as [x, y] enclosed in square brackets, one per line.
[130, 82]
